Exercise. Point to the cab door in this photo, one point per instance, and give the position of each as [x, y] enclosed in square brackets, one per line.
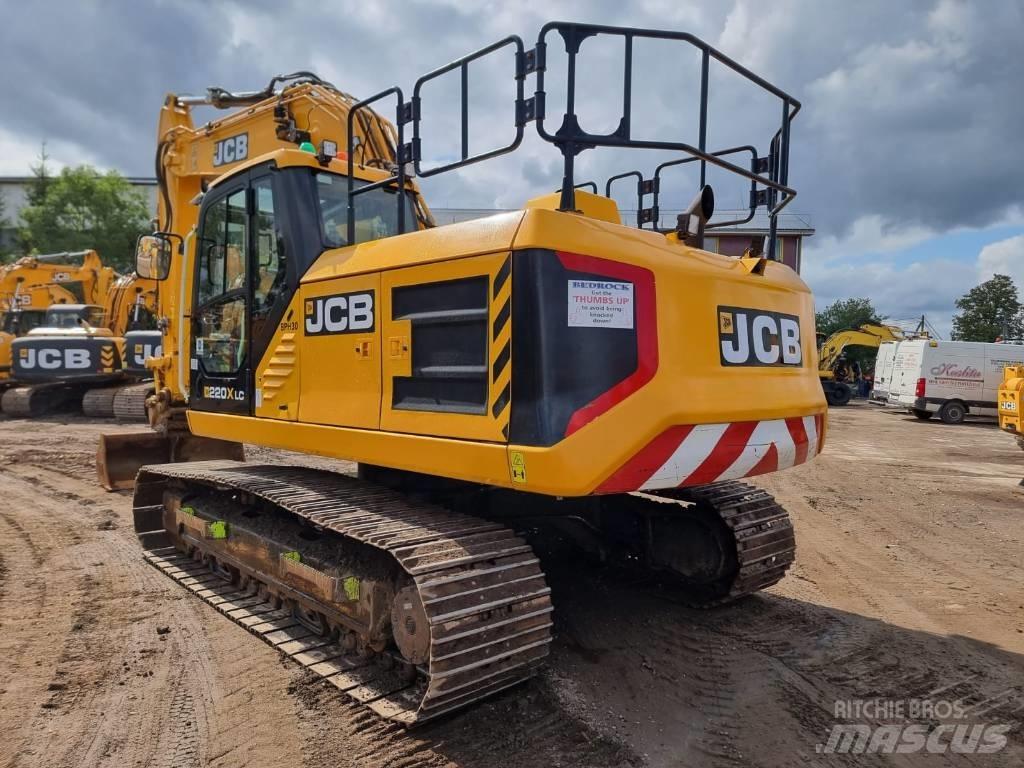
[240, 279]
[446, 348]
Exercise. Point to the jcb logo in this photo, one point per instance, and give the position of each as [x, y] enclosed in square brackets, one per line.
[141, 351]
[756, 337]
[341, 313]
[53, 359]
[61, 277]
[231, 150]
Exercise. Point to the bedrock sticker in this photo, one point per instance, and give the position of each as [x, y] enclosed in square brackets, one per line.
[600, 304]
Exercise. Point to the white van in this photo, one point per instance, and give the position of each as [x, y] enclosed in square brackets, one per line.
[950, 378]
[885, 361]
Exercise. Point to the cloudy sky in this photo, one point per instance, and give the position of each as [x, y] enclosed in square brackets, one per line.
[906, 153]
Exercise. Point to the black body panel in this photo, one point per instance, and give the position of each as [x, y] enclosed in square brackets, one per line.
[557, 369]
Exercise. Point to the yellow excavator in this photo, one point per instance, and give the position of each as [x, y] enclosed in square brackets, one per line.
[832, 370]
[78, 353]
[1011, 402]
[548, 369]
[31, 284]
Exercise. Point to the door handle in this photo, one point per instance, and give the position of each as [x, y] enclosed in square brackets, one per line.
[398, 346]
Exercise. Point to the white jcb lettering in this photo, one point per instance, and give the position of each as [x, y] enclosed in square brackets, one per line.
[753, 337]
[231, 150]
[242, 146]
[76, 358]
[790, 333]
[49, 359]
[360, 311]
[737, 351]
[340, 313]
[315, 320]
[144, 351]
[335, 319]
[764, 330]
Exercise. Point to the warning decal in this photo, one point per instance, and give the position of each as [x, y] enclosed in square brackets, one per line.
[600, 304]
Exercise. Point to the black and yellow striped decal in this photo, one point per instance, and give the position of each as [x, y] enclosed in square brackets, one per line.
[107, 358]
[501, 343]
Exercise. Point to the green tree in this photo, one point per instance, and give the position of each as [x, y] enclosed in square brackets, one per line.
[5, 253]
[989, 310]
[846, 313]
[83, 208]
[41, 179]
[850, 313]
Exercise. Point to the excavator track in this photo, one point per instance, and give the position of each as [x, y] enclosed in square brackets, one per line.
[98, 403]
[29, 402]
[473, 619]
[765, 543]
[130, 401]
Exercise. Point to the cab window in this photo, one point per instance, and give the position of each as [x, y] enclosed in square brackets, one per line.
[269, 279]
[20, 322]
[221, 289]
[376, 211]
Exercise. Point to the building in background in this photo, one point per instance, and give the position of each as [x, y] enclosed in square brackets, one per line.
[14, 190]
[730, 241]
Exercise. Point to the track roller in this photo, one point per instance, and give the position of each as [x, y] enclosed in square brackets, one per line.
[34, 401]
[98, 403]
[130, 401]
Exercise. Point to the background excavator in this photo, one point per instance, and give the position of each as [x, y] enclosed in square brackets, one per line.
[1011, 402]
[31, 284]
[835, 375]
[78, 354]
[523, 371]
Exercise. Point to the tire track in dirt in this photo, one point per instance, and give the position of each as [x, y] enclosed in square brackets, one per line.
[114, 667]
[35, 614]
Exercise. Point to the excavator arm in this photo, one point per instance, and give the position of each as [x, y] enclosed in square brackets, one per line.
[867, 335]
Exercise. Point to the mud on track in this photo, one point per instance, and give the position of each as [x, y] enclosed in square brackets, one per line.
[909, 580]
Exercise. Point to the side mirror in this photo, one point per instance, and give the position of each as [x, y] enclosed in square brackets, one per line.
[153, 256]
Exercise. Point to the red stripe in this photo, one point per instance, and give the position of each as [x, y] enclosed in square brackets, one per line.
[729, 448]
[800, 439]
[646, 332]
[639, 469]
[768, 463]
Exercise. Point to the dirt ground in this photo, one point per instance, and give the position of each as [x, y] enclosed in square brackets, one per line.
[909, 585]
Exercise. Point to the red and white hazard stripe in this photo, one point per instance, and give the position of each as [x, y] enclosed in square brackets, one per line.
[698, 454]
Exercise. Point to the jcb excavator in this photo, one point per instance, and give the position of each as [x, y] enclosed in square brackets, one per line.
[833, 378]
[78, 353]
[31, 284]
[1011, 403]
[547, 369]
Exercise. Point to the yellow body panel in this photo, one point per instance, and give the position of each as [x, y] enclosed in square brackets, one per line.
[1011, 400]
[485, 463]
[690, 385]
[340, 374]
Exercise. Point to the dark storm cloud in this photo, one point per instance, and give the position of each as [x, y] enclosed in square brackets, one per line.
[911, 111]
